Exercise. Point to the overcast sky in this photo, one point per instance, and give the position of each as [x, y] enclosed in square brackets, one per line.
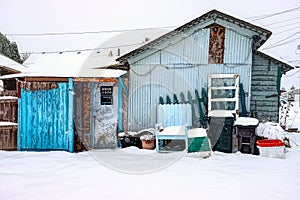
[43, 16]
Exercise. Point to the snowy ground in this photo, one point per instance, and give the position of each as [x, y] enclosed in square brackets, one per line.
[131, 173]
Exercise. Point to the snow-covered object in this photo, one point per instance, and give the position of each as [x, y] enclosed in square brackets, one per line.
[197, 132]
[131, 133]
[271, 148]
[246, 121]
[173, 130]
[270, 130]
[148, 130]
[220, 113]
[147, 137]
[271, 152]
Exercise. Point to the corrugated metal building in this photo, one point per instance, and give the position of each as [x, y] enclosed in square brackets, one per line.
[179, 62]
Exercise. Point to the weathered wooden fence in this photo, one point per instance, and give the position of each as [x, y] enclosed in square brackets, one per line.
[8, 120]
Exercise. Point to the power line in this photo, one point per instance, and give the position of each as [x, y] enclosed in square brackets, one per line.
[260, 17]
[83, 32]
[277, 33]
[288, 37]
[278, 45]
[286, 25]
[279, 22]
[81, 50]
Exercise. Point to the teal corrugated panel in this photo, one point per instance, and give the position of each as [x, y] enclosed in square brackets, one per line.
[46, 119]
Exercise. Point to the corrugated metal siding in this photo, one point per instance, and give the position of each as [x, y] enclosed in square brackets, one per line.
[46, 119]
[182, 68]
[238, 48]
[174, 114]
[265, 83]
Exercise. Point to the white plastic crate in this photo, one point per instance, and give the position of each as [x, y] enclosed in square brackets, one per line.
[271, 148]
[272, 152]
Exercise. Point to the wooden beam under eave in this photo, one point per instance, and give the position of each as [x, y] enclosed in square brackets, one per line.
[46, 79]
[95, 79]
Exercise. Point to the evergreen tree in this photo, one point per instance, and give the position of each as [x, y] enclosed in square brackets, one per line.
[9, 49]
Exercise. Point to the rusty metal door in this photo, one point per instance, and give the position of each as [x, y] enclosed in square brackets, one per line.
[96, 111]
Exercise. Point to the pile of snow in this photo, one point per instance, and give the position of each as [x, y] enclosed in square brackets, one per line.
[270, 130]
[133, 173]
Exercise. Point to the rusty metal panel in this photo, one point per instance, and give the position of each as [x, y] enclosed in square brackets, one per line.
[82, 115]
[216, 44]
[125, 104]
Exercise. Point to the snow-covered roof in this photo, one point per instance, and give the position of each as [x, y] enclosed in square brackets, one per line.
[11, 65]
[103, 73]
[286, 65]
[88, 63]
[65, 64]
[106, 53]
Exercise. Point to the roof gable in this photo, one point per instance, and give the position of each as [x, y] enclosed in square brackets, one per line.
[211, 17]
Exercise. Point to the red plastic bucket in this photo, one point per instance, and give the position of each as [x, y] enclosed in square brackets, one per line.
[270, 143]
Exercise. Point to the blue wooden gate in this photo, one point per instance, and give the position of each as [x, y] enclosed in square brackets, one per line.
[46, 116]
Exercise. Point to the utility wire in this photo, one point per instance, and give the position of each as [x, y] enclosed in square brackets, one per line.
[286, 25]
[279, 22]
[81, 50]
[286, 38]
[260, 17]
[277, 33]
[278, 45]
[82, 33]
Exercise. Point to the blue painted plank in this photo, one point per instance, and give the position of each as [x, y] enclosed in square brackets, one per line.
[71, 115]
